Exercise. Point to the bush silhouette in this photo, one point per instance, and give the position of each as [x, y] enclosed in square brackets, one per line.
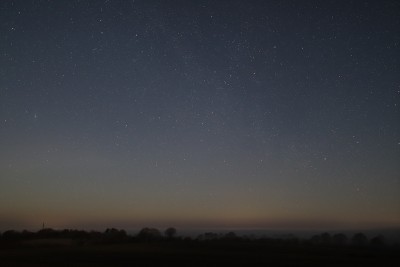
[170, 232]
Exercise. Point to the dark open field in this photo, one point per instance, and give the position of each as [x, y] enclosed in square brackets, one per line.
[194, 254]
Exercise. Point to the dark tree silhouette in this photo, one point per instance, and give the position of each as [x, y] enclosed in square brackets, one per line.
[230, 236]
[115, 234]
[149, 234]
[27, 234]
[316, 239]
[325, 238]
[11, 235]
[48, 233]
[378, 241]
[359, 239]
[339, 239]
[170, 232]
[208, 236]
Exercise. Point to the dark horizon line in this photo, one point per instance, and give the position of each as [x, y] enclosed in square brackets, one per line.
[218, 229]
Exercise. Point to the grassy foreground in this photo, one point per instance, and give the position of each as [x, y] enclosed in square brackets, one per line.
[192, 253]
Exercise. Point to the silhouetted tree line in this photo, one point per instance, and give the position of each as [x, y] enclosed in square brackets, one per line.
[340, 239]
[110, 235]
[113, 235]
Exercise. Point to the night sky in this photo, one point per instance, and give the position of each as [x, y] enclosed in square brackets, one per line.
[199, 114]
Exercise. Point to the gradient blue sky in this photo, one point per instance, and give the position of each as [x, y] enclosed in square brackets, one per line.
[230, 114]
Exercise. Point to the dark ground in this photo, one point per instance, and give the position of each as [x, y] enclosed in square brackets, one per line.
[196, 254]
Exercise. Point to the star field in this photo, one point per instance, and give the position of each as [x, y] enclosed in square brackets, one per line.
[232, 114]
